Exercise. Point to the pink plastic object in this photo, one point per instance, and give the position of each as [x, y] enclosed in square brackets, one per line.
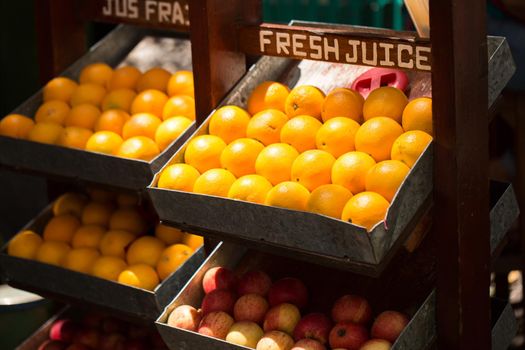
[378, 77]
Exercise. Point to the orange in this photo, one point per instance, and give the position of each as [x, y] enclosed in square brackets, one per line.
[145, 250]
[156, 78]
[268, 95]
[385, 178]
[139, 147]
[52, 252]
[250, 188]
[385, 101]
[192, 241]
[181, 83]
[100, 195]
[17, 126]
[179, 106]
[142, 124]
[83, 116]
[170, 130]
[74, 137]
[240, 155]
[59, 88]
[350, 170]
[266, 126]
[289, 195]
[96, 73]
[52, 112]
[119, 99]
[337, 136]
[125, 200]
[408, 147]
[214, 182]
[418, 115]
[108, 267]
[128, 219]
[329, 200]
[124, 78]
[275, 162]
[80, 259]
[61, 228]
[112, 120]
[97, 213]
[179, 177]
[365, 209]
[88, 236]
[229, 123]
[88, 93]
[168, 234]
[106, 142]
[300, 132]
[45, 133]
[376, 137]
[24, 245]
[304, 100]
[140, 276]
[149, 101]
[172, 258]
[115, 243]
[342, 102]
[312, 169]
[204, 152]
[70, 203]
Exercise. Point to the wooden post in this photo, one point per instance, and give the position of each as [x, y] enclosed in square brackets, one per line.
[461, 191]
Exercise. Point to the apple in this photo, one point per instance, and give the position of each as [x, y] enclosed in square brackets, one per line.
[348, 335]
[245, 334]
[352, 308]
[112, 341]
[288, 290]
[89, 337]
[308, 344]
[136, 344]
[250, 307]
[389, 325]
[218, 278]
[283, 317]
[376, 344]
[112, 325]
[52, 345]
[275, 340]
[185, 317]
[93, 319]
[63, 330]
[315, 326]
[254, 282]
[216, 324]
[218, 300]
[78, 346]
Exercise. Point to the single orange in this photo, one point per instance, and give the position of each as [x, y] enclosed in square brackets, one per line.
[17, 126]
[88, 93]
[167, 234]
[204, 152]
[365, 209]
[125, 77]
[54, 111]
[45, 133]
[239, 156]
[275, 162]
[337, 136]
[141, 124]
[139, 147]
[342, 102]
[313, 168]
[80, 260]
[408, 147]
[300, 132]
[59, 88]
[268, 95]
[88, 236]
[100, 195]
[376, 137]
[385, 178]
[305, 100]
[140, 276]
[179, 177]
[193, 241]
[106, 142]
[385, 101]
[128, 219]
[214, 182]
[149, 101]
[52, 252]
[266, 126]
[70, 203]
[108, 267]
[329, 200]
[61, 228]
[250, 188]
[181, 83]
[128, 199]
[119, 99]
[417, 115]
[170, 130]
[289, 195]
[229, 123]
[350, 170]
[74, 137]
[83, 116]
[172, 258]
[145, 250]
[97, 213]
[115, 243]
[180, 105]
[156, 78]
[112, 120]
[24, 245]
[96, 73]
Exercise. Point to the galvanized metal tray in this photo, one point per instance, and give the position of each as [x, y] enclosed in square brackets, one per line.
[78, 288]
[136, 46]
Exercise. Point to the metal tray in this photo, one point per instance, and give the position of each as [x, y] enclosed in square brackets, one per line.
[78, 288]
[140, 47]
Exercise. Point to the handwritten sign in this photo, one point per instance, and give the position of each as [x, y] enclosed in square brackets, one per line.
[153, 13]
[336, 46]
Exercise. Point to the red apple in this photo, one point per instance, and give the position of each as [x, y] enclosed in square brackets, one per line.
[218, 300]
[352, 308]
[52, 345]
[308, 344]
[376, 344]
[78, 346]
[112, 341]
[275, 340]
[89, 337]
[185, 317]
[250, 307]
[315, 326]
[136, 344]
[254, 282]
[63, 330]
[216, 324]
[112, 325]
[348, 335]
[288, 290]
[389, 325]
[283, 317]
[218, 278]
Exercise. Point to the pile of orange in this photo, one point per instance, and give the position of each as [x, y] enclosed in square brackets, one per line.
[336, 155]
[105, 235]
[121, 111]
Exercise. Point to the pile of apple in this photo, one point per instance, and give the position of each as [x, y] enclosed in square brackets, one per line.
[98, 332]
[252, 311]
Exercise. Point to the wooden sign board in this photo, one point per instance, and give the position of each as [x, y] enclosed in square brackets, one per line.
[338, 46]
[152, 13]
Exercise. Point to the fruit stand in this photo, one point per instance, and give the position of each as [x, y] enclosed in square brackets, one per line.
[424, 264]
